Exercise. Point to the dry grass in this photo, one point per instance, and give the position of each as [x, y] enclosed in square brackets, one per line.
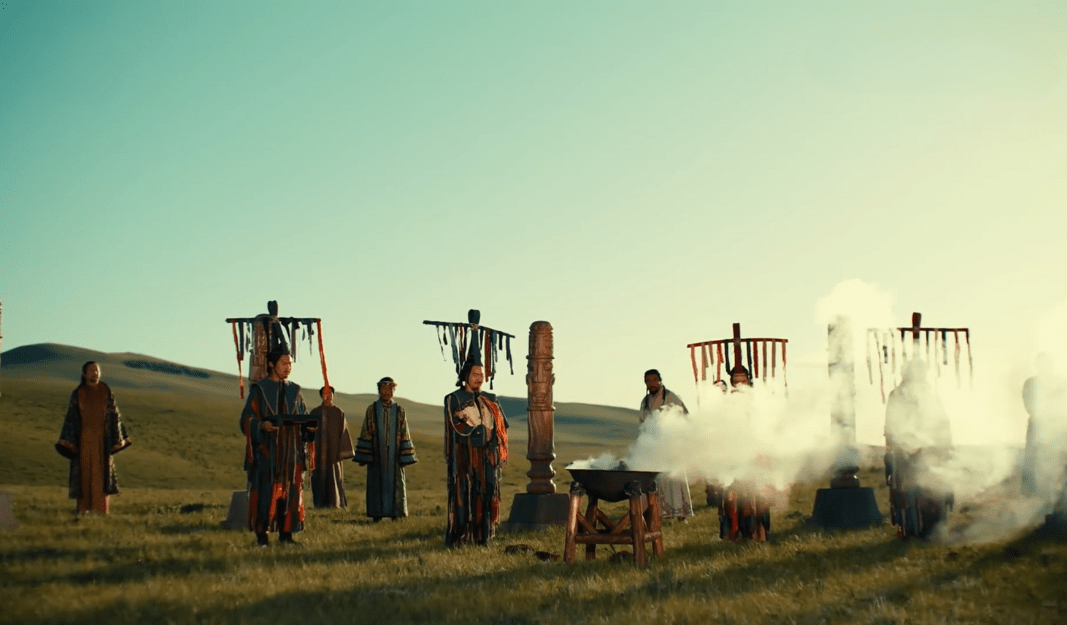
[150, 562]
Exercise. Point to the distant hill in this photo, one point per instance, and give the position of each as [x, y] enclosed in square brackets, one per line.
[51, 361]
[582, 426]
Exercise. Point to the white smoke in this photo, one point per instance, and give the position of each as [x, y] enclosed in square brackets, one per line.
[763, 435]
[753, 434]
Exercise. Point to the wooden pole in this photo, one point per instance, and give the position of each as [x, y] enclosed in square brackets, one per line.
[652, 514]
[637, 524]
[842, 381]
[540, 411]
[737, 347]
[592, 511]
[843, 410]
[570, 546]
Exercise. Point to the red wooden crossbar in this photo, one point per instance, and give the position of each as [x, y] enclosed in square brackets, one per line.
[753, 345]
[884, 343]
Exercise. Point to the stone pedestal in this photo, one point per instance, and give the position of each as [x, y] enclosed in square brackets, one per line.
[237, 517]
[845, 508]
[536, 511]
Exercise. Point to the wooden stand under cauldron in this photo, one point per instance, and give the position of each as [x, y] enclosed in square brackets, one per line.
[639, 525]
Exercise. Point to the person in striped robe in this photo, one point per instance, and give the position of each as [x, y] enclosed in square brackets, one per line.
[385, 448]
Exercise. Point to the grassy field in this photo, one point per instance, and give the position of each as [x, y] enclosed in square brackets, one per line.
[162, 555]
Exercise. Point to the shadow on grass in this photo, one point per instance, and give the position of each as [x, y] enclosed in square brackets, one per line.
[551, 591]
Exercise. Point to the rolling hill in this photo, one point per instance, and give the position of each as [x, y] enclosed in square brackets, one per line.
[183, 422]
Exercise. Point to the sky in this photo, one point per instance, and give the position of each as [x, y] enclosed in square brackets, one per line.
[639, 174]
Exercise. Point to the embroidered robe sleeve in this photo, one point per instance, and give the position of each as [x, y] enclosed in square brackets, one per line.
[405, 447]
[364, 453]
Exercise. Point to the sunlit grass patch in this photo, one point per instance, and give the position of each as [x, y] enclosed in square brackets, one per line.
[151, 562]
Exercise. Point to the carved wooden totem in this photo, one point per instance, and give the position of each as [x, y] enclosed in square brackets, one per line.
[257, 368]
[842, 379]
[540, 412]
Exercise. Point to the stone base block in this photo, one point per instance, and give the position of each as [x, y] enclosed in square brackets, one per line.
[845, 508]
[536, 512]
[237, 517]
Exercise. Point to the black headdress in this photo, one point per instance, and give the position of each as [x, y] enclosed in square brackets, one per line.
[474, 352]
[468, 340]
[277, 351]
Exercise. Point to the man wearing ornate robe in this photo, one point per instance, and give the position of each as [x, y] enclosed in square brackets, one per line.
[674, 497]
[333, 445]
[385, 447]
[276, 454]
[476, 448]
[92, 434]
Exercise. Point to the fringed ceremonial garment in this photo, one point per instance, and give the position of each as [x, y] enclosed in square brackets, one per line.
[276, 460]
[385, 446]
[918, 438]
[674, 497]
[333, 445]
[745, 512]
[476, 447]
[92, 434]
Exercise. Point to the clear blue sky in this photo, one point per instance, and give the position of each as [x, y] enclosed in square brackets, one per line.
[640, 174]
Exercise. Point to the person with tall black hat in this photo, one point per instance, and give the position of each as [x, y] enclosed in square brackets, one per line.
[384, 446]
[277, 450]
[476, 449]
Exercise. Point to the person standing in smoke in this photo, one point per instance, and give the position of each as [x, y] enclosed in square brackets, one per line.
[675, 501]
[918, 438]
[92, 434]
[276, 452]
[1045, 456]
[476, 449]
[745, 506]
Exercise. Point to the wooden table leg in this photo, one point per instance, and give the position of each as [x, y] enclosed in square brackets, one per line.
[591, 516]
[637, 523]
[572, 523]
[654, 521]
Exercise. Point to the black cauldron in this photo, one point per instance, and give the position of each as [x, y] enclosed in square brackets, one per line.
[609, 484]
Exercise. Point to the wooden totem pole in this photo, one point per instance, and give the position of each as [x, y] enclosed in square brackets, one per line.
[540, 412]
[540, 506]
[845, 504]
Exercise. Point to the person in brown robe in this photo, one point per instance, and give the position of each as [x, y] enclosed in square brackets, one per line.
[333, 444]
[92, 434]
